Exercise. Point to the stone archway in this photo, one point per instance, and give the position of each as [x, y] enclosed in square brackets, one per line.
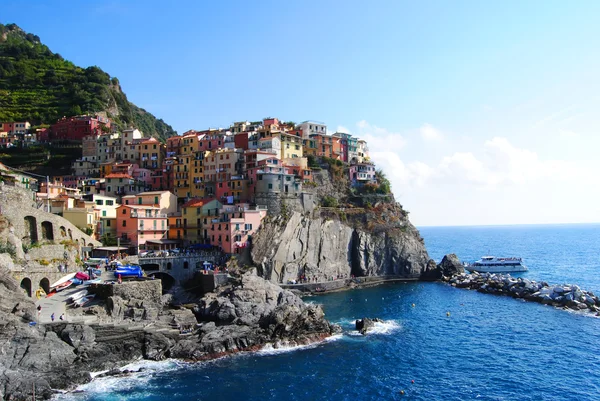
[63, 231]
[150, 267]
[45, 285]
[47, 231]
[26, 286]
[167, 280]
[31, 228]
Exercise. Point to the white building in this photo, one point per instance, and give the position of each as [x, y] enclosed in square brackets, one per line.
[312, 127]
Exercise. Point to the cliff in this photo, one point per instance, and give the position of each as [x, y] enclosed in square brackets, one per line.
[363, 235]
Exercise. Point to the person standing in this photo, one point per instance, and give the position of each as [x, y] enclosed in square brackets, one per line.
[52, 316]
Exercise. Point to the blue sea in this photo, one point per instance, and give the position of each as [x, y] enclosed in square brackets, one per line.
[488, 348]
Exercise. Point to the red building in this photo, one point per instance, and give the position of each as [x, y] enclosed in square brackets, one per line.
[75, 128]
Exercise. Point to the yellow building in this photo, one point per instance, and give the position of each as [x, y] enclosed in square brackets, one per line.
[197, 188]
[291, 146]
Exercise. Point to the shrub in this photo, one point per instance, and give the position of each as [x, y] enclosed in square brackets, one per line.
[329, 201]
[43, 262]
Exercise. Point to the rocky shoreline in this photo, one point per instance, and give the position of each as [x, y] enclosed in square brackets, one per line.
[137, 323]
[566, 296]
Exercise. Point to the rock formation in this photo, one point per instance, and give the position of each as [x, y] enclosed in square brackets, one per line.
[322, 247]
[243, 316]
[364, 325]
[562, 296]
[448, 267]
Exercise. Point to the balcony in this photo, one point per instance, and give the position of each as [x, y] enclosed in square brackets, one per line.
[145, 216]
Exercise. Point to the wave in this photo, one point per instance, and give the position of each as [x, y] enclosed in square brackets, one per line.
[142, 372]
[284, 347]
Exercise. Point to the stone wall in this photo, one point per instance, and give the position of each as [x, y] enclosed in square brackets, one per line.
[276, 203]
[30, 225]
[148, 290]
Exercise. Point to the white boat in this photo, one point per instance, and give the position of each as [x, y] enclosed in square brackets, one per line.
[63, 280]
[77, 296]
[492, 264]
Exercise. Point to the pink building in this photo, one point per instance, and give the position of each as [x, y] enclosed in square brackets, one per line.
[136, 224]
[233, 229]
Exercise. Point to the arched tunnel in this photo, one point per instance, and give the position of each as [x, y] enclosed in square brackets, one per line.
[168, 281]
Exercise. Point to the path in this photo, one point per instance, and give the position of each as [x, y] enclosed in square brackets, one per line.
[57, 304]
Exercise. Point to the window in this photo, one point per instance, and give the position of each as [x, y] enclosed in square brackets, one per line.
[155, 224]
[110, 203]
[139, 201]
[156, 199]
[99, 202]
[107, 223]
[127, 201]
[248, 227]
[270, 186]
[124, 223]
[124, 211]
[104, 213]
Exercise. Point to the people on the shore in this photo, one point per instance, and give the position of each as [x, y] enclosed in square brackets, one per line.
[62, 317]
[52, 316]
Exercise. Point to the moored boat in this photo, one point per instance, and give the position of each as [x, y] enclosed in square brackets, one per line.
[492, 264]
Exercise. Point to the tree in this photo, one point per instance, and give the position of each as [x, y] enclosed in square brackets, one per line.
[384, 184]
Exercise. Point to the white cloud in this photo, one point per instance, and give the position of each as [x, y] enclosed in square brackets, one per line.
[379, 138]
[430, 133]
[490, 181]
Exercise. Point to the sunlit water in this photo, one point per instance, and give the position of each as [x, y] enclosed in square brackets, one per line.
[489, 348]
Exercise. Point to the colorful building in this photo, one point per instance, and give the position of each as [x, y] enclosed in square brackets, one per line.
[78, 127]
[137, 224]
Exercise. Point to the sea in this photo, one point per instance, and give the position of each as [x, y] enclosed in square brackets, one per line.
[436, 342]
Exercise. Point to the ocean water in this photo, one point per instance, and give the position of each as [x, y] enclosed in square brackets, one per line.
[488, 348]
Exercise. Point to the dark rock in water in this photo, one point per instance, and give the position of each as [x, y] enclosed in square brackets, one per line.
[364, 325]
[448, 267]
[431, 272]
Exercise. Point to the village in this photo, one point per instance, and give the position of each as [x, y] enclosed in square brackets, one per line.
[201, 191]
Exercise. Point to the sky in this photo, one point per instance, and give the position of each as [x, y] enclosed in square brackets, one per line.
[479, 112]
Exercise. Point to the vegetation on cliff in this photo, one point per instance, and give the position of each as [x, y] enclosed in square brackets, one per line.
[39, 86]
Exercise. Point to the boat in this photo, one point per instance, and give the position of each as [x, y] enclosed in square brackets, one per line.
[492, 264]
[63, 280]
[63, 286]
[77, 295]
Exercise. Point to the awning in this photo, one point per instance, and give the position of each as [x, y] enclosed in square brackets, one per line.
[162, 241]
[110, 248]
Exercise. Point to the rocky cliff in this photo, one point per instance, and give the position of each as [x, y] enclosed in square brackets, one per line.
[362, 235]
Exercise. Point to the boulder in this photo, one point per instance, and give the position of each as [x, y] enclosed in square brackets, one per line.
[365, 324]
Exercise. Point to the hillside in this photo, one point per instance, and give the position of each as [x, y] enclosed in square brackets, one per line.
[39, 86]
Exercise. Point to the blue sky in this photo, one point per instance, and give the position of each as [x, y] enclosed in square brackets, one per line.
[479, 112]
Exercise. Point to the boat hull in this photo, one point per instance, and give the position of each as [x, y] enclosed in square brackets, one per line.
[497, 269]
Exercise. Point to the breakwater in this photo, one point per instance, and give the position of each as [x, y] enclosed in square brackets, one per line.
[568, 296]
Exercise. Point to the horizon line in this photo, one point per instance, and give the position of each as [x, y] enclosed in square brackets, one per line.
[505, 225]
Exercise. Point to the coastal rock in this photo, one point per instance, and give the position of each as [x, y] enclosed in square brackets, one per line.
[562, 296]
[448, 267]
[364, 325]
[243, 316]
[321, 248]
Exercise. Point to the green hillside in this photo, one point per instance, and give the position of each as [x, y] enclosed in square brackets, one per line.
[39, 86]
